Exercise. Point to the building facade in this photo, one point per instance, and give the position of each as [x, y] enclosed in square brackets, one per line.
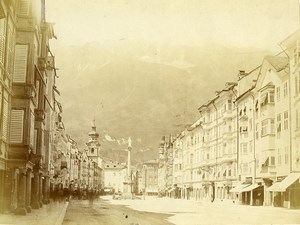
[25, 72]
[244, 147]
[149, 178]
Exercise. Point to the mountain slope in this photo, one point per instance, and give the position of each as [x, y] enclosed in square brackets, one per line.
[141, 90]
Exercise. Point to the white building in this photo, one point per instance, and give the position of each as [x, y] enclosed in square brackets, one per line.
[114, 176]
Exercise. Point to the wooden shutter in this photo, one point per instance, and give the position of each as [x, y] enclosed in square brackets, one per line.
[23, 9]
[35, 141]
[16, 126]
[5, 120]
[2, 40]
[2, 12]
[10, 45]
[32, 137]
[20, 63]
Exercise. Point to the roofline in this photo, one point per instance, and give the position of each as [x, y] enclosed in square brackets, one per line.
[209, 102]
[246, 92]
[282, 43]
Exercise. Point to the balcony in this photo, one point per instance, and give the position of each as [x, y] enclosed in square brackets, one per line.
[228, 158]
[208, 125]
[228, 114]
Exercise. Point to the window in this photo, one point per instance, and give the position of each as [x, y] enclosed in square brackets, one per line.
[272, 161]
[244, 168]
[229, 104]
[278, 94]
[23, 9]
[250, 146]
[10, 45]
[286, 120]
[286, 155]
[272, 126]
[271, 96]
[257, 130]
[5, 117]
[16, 126]
[264, 127]
[20, 63]
[297, 118]
[244, 147]
[2, 39]
[264, 99]
[298, 84]
[92, 150]
[285, 89]
[32, 130]
[243, 129]
[295, 56]
[278, 123]
[279, 157]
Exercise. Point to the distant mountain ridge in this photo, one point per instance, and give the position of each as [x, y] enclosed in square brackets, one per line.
[141, 90]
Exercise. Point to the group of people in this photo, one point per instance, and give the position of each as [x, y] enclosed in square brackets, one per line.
[60, 193]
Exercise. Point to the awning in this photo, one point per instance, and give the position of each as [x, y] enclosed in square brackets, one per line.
[239, 188]
[250, 187]
[275, 187]
[266, 162]
[285, 183]
[172, 189]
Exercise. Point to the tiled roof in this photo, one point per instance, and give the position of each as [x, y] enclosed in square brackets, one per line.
[278, 62]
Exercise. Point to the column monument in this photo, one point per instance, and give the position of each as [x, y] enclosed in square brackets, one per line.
[128, 181]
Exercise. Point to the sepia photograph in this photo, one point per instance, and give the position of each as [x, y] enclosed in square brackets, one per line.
[138, 112]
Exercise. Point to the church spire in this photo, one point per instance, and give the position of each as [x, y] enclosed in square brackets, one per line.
[94, 134]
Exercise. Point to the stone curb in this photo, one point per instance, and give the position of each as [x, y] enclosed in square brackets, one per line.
[61, 216]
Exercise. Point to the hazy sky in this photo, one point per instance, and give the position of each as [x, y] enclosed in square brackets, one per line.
[241, 23]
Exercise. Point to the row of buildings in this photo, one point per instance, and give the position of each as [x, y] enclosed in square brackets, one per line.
[37, 157]
[245, 146]
[29, 110]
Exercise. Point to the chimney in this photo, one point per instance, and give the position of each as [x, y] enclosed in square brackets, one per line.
[242, 73]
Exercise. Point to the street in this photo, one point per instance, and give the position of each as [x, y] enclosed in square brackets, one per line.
[174, 211]
[102, 212]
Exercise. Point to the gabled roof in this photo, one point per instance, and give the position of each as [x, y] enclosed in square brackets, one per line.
[278, 62]
[290, 39]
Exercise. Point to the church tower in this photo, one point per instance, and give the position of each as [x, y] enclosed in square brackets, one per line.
[93, 144]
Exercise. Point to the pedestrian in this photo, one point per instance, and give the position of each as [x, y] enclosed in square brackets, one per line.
[60, 194]
[55, 194]
[91, 196]
[66, 194]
